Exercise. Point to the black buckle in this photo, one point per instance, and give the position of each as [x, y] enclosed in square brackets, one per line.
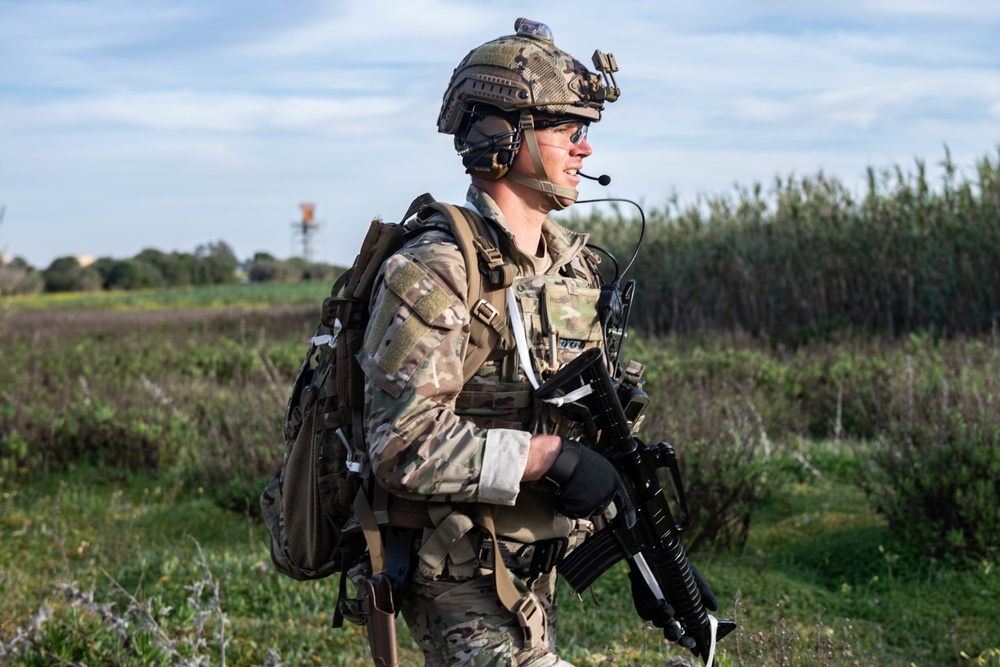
[547, 555]
[544, 556]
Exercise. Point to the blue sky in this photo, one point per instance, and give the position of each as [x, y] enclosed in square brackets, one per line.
[169, 124]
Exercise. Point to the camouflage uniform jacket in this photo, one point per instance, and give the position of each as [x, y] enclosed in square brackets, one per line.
[432, 439]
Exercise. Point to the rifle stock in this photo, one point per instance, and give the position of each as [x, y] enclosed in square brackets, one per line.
[585, 391]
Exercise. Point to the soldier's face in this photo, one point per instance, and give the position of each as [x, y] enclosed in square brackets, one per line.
[561, 157]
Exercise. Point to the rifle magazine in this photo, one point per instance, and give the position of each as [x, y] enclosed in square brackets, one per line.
[591, 559]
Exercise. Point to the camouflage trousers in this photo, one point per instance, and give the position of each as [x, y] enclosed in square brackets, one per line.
[463, 623]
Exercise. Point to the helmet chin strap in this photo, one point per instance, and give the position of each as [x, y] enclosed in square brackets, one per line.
[559, 196]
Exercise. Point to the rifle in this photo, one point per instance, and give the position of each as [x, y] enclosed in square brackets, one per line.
[585, 391]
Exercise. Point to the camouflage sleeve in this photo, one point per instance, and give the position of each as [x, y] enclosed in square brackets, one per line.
[412, 359]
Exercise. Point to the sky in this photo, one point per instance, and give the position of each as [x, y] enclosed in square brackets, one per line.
[174, 123]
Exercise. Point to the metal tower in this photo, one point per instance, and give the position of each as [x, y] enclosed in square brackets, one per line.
[305, 230]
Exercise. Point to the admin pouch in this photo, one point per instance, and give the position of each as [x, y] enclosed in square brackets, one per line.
[321, 508]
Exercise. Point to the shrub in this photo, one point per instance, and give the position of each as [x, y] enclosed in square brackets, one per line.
[936, 472]
[189, 392]
[19, 277]
[270, 270]
[719, 438]
[320, 271]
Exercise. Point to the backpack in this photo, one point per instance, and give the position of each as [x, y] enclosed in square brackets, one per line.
[318, 506]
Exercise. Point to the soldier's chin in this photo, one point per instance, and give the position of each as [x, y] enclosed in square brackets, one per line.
[566, 202]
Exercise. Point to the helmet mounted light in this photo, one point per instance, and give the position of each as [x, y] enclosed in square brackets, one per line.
[530, 28]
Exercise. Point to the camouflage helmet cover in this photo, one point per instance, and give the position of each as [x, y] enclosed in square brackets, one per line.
[524, 71]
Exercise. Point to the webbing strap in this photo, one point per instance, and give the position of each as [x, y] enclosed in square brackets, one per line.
[446, 538]
[525, 607]
[488, 327]
[369, 526]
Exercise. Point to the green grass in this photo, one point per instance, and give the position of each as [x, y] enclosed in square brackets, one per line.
[237, 295]
[820, 582]
[199, 393]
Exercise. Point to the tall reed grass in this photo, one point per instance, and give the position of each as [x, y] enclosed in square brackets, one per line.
[809, 257]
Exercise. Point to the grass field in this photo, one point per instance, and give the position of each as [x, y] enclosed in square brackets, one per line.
[820, 582]
[115, 557]
[247, 296]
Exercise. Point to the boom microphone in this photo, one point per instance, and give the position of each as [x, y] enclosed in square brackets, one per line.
[603, 179]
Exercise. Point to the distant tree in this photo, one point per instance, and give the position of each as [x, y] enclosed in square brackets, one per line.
[298, 263]
[174, 267]
[188, 268]
[267, 269]
[103, 267]
[65, 274]
[128, 274]
[320, 271]
[19, 277]
[217, 263]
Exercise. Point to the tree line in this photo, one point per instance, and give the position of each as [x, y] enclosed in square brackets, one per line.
[210, 264]
[804, 260]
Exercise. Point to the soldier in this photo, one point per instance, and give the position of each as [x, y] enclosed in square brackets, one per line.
[500, 476]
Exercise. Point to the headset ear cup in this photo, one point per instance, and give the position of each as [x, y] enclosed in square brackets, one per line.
[500, 142]
[485, 167]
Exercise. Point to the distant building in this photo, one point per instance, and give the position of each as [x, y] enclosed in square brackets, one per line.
[84, 260]
[5, 259]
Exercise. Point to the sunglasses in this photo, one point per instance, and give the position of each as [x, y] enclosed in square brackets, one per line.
[579, 135]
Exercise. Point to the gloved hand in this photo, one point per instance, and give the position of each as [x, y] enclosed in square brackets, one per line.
[707, 596]
[586, 484]
[651, 609]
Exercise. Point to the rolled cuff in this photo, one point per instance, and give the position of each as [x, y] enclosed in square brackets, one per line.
[505, 455]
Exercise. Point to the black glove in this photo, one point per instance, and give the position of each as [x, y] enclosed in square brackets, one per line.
[586, 483]
[651, 609]
[707, 596]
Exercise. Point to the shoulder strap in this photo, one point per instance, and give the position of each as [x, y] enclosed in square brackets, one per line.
[487, 299]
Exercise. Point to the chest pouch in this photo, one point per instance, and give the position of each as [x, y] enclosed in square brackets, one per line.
[570, 323]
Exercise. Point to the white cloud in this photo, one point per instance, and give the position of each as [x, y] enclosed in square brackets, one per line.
[200, 112]
[927, 9]
[883, 99]
[57, 26]
[375, 31]
[215, 119]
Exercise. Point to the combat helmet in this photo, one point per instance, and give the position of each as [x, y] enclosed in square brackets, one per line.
[495, 92]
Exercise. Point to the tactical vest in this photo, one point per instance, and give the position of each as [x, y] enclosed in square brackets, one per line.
[559, 315]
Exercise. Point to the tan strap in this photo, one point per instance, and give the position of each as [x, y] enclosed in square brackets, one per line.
[488, 328]
[525, 607]
[369, 526]
[446, 538]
